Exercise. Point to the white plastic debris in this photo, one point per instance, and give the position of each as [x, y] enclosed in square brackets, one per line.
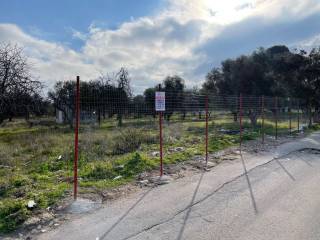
[31, 204]
[119, 167]
[117, 177]
[155, 154]
[179, 149]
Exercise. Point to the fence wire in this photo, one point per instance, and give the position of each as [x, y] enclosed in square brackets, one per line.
[119, 136]
[115, 124]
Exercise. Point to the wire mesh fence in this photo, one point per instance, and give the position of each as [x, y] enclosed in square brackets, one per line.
[192, 123]
[119, 136]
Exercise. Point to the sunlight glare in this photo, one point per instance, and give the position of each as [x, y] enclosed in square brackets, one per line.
[226, 11]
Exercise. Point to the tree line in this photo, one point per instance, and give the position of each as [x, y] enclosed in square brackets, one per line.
[275, 71]
[104, 97]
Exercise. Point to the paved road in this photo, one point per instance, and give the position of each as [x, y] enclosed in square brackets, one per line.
[274, 195]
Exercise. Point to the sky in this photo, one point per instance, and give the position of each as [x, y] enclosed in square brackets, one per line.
[151, 38]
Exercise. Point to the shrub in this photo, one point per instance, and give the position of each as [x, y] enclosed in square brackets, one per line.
[130, 140]
[4, 187]
[48, 196]
[99, 171]
[12, 214]
[219, 142]
[19, 181]
[249, 136]
[135, 165]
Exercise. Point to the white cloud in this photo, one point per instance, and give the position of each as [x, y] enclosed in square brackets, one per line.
[219, 12]
[231, 11]
[50, 61]
[155, 46]
[308, 43]
[79, 35]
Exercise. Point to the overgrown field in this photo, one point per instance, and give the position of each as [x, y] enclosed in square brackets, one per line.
[36, 163]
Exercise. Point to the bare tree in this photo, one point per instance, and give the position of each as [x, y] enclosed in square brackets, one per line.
[15, 80]
[124, 92]
[63, 97]
[123, 80]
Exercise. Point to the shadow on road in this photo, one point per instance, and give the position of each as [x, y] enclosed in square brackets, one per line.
[303, 160]
[185, 220]
[253, 200]
[192, 202]
[285, 170]
[125, 214]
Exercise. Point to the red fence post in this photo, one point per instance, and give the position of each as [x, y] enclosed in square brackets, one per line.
[298, 116]
[262, 115]
[160, 134]
[76, 139]
[276, 115]
[240, 113]
[207, 119]
[290, 122]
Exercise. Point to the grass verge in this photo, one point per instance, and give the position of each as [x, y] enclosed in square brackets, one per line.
[36, 163]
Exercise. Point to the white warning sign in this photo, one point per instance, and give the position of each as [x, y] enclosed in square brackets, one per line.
[160, 101]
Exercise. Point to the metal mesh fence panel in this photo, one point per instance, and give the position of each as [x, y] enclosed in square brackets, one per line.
[119, 136]
[116, 128]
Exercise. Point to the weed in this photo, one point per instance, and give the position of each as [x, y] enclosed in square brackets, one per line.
[31, 167]
[12, 214]
[98, 171]
[135, 164]
[130, 139]
[19, 180]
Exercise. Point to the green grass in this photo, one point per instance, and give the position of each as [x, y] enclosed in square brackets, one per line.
[36, 163]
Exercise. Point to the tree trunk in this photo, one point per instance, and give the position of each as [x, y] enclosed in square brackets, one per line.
[235, 116]
[99, 116]
[70, 120]
[27, 117]
[119, 120]
[253, 119]
[184, 115]
[104, 113]
[316, 116]
[310, 117]
[168, 117]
